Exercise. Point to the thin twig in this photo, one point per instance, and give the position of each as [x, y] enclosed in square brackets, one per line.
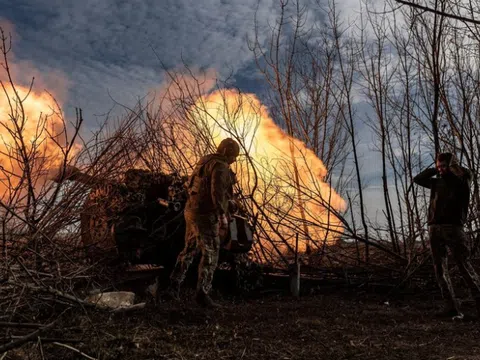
[48, 339]
[438, 12]
[58, 293]
[41, 348]
[26, 338]
[8, 324]
[75, 350]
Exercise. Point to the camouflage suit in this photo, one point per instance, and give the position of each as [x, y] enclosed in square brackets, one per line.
[445, 236]
[210, 189]
[449, 199]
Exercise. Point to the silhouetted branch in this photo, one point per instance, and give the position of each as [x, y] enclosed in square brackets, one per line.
[438, 12]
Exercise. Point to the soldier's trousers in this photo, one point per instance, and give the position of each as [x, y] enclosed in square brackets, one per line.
[452, 237]
[201, 235]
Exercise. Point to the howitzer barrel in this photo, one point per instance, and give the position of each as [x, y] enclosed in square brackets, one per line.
[72, 173]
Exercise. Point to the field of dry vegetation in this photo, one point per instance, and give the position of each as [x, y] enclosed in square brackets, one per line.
[333, 324]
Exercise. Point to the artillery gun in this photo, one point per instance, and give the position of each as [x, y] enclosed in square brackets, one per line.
[140, 220]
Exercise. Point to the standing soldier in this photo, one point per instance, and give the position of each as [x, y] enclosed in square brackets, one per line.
[210, 188]
[449, 199]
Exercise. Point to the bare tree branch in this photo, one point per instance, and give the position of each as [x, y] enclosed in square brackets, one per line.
[438, 12]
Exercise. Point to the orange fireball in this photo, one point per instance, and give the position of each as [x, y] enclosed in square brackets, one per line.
[31, 131]
[292, 198]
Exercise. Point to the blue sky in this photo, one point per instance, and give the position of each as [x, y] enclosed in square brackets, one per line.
[96, 50]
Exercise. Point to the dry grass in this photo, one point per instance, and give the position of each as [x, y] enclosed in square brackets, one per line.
[337, 325]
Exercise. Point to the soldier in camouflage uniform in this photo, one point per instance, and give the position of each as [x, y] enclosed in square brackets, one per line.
[449, 199]
[210, 189]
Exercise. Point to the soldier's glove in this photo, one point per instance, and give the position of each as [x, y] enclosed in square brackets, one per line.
[223, 221]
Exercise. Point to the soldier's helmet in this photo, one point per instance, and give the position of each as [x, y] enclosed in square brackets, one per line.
[228, 147]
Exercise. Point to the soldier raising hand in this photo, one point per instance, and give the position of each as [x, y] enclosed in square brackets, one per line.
[449, 185]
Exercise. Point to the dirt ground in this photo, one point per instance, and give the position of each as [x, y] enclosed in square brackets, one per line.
[335, 325]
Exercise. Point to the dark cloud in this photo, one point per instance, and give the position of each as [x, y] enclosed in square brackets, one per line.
[105, 46]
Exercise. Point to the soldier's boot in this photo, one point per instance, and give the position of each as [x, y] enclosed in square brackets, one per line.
[205, 301]
[450, 310]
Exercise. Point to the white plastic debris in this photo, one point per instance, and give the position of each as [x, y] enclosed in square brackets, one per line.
[113, 300]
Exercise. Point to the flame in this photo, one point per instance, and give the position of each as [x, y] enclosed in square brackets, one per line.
[290, 186]
[32, 121]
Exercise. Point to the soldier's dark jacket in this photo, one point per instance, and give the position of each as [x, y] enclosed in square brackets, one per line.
[449, 196]
[210, 186]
